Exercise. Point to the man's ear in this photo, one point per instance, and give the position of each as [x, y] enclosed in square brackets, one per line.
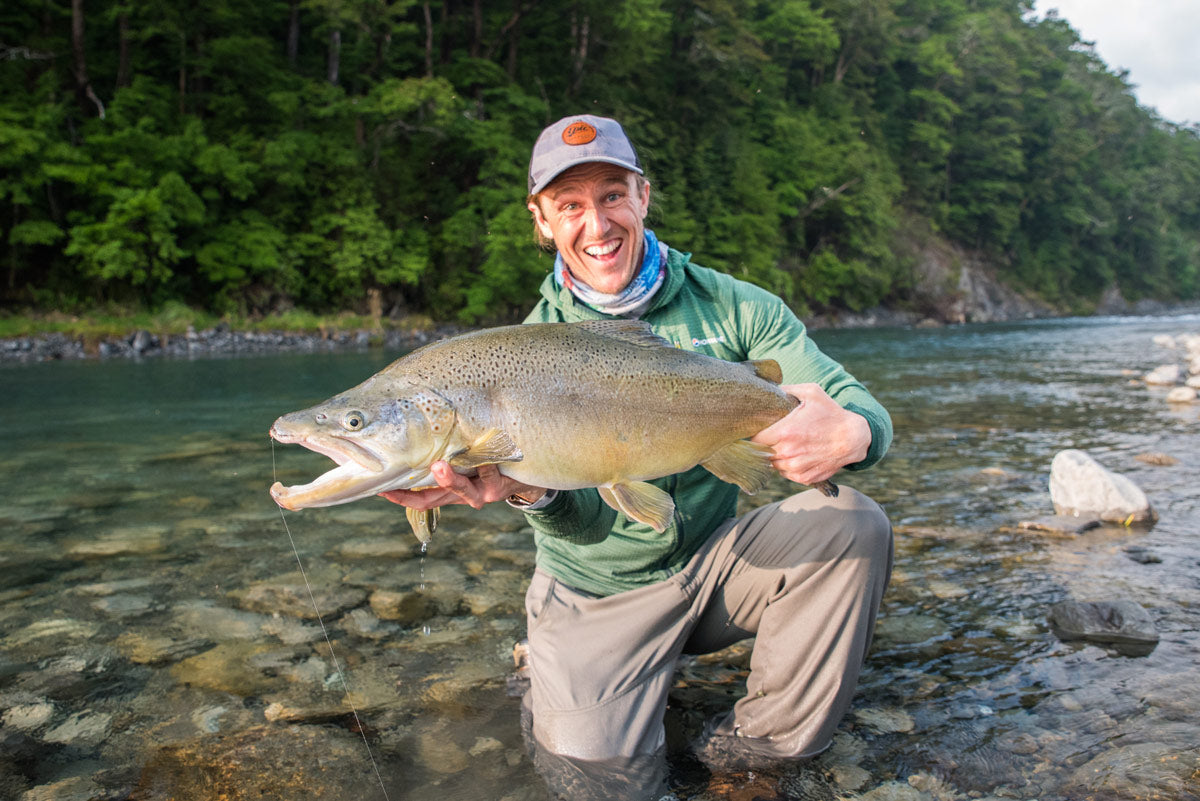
[645, 198]
[540, 220]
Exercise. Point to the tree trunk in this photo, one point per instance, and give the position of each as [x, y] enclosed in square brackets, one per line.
[428, 39]
[82, 85]
[293, 33]
[335, 56]
[123, 76]
[579, 38]
[477, 33]
[182, 73]
[514, 39]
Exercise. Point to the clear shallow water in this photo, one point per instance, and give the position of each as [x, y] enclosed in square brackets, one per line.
[156, 637]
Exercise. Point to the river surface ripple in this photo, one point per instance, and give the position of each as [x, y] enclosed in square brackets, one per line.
[158, 641]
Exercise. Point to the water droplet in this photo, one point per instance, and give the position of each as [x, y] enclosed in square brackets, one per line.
[424, 547]
[425, 630]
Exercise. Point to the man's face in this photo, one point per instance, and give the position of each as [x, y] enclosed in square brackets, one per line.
[594, 214]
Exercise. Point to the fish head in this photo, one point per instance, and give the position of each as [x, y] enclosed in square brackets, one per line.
[384, 434]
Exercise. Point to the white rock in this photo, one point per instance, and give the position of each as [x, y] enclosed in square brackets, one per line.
[82, 728]
[1079, 485]
[1164, 340]
[1163, 375]
[1193, 382]
[27, 717]
[1181, 395]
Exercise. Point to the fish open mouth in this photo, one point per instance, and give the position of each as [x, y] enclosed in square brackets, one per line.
[359, 473]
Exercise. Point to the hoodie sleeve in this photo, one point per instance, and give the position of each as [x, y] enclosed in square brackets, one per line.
[770, 330]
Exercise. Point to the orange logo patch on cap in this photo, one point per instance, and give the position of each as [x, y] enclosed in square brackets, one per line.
[578, 133]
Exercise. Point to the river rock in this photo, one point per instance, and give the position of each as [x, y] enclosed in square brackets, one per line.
[274, 761]
[1125, 625]
[1145, 770]
[231, 667]
[909, 629]
[81, 729]
[1194, 380]
[76, 788]
[1163, 375]
[1081, 487]
[885, 720]
[290, 595]
[27, 717]
[1181, 395]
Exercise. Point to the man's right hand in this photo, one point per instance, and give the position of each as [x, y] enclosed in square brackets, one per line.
[487, 486]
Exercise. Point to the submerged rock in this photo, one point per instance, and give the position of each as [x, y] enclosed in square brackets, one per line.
[1145, 770]
[1125, 625]
[1081, 487]
[290, 595]
[311, 762]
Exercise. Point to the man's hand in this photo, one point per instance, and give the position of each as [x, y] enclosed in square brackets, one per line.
[487, 486]
[817, 438]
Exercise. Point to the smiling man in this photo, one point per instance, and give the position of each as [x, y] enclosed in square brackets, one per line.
[613, 603]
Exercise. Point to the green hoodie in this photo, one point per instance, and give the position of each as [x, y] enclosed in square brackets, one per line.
[590, 546]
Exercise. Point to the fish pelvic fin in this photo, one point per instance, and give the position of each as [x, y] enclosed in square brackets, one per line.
[642, 502]
[744, 463]
[492, 447]
[635, 332]
[767, 370]
[424, 522]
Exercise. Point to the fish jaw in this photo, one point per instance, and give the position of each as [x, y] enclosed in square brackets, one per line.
[360, 472]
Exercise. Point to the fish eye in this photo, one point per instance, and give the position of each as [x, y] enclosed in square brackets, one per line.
[354, 421]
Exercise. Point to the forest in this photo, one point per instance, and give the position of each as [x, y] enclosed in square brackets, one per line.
[255, 157]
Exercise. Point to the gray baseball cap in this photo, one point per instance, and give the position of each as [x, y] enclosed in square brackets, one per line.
[579, 139]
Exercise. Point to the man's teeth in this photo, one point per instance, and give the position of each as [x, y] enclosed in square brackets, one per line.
[602, 250]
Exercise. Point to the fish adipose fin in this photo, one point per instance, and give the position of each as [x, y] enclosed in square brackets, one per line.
[493, 447]
[642, 502]
[635, 332]
[424, 522]
[744, 463]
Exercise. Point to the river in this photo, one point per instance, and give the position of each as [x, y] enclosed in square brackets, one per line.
[158, 640]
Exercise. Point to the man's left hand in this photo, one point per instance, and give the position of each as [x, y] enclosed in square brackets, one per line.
[817, 438]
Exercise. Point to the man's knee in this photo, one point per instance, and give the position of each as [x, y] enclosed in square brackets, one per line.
[852, 524]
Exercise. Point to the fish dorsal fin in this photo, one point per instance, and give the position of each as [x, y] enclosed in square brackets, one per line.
[642, 502]
[635, 332]
[491, 447]
[767, 370]
[744, 463]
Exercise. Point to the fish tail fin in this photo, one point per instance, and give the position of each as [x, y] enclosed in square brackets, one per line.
[744, 463]
[642, 502]
[424, 522]
[767, 370]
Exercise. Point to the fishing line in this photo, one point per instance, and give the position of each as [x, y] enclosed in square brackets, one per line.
[333, 656]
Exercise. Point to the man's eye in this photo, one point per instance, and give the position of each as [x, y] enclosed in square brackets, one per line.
[613, 197]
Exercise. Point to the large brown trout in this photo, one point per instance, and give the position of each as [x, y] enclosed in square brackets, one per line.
[605, 404]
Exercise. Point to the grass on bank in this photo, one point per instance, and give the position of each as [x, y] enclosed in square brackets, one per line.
[174, 319]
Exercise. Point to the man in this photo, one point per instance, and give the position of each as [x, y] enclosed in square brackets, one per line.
[612, 603]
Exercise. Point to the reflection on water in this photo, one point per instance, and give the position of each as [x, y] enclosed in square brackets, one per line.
[157, 639]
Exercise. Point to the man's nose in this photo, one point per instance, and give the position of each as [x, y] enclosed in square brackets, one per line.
[595, 221]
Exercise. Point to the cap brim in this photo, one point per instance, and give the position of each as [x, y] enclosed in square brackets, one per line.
[549, 179]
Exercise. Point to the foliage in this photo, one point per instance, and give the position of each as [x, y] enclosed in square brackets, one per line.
[300, 155]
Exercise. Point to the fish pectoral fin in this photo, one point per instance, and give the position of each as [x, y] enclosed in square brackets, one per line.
[744, 463]
[493, 447]
[767, 370]
[424, 522]
[642, 502]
